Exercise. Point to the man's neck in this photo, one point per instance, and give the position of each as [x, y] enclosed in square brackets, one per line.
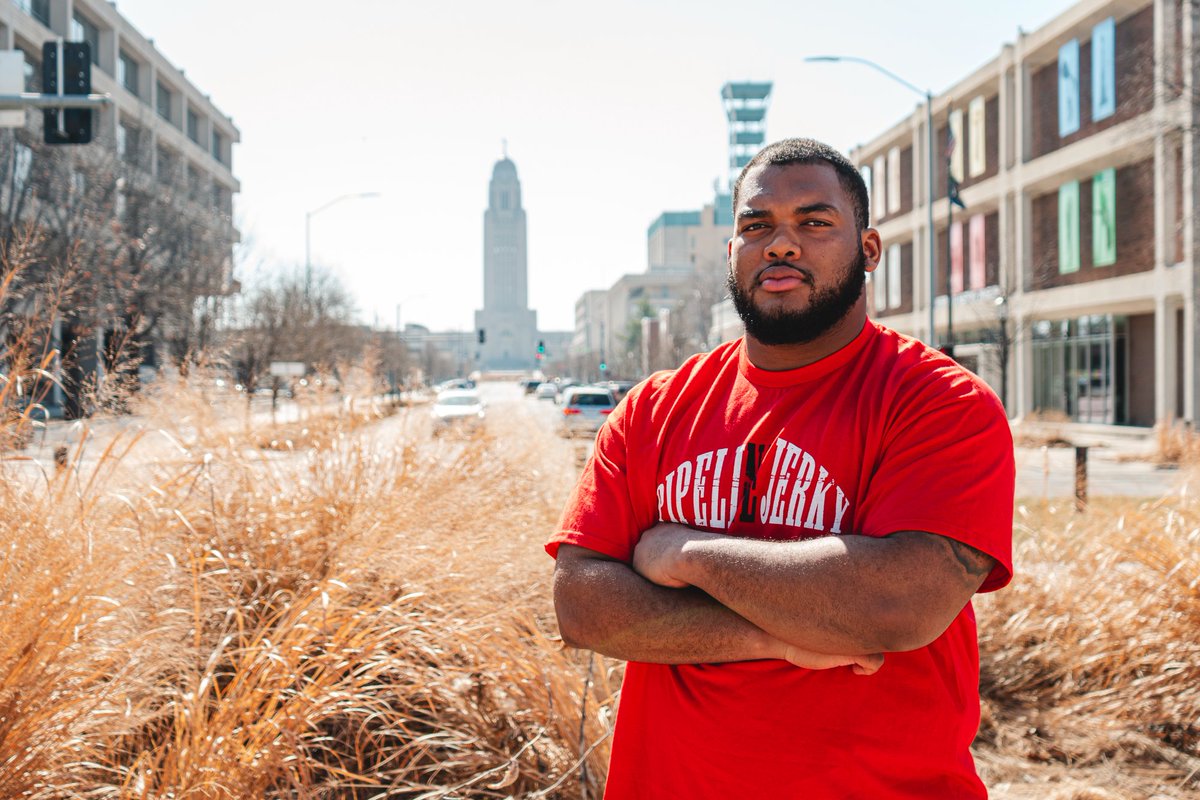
[780, 357]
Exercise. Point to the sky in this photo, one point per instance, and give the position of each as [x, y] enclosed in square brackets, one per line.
[611, 112]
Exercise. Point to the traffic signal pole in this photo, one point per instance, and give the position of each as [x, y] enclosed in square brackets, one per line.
[16, 102]
[68, 101]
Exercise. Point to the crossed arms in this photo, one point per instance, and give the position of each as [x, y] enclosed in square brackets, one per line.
[697, 597]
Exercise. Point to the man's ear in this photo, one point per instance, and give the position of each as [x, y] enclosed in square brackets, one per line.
[872, 247]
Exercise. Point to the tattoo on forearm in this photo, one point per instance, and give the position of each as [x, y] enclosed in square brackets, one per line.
[976, 564]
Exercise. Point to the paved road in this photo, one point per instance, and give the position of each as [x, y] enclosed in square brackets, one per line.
[1041, 472]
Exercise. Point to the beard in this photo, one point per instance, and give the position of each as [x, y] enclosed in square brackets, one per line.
[826, 308]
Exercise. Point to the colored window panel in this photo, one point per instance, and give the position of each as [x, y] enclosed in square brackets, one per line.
[893, 180]
[880, 196]
[879, 282]
[978, 252]
[977, 122]
[956, 258]
[1068, 227]
[893, 277]
[1104, 218]
[865, 171]
[956, 148]
[1104, 69]
[1068, 88]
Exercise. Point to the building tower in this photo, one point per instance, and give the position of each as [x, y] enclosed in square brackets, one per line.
[746, 109]
[506, 327]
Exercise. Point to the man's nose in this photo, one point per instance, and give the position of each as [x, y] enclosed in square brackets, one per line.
[783, 245]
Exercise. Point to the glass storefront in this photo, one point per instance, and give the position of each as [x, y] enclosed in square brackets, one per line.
[1080, 368]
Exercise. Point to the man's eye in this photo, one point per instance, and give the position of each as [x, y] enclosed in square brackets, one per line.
[752, 226]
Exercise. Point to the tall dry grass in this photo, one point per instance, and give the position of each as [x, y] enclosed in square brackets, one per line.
[1091, 658]
[185, 615]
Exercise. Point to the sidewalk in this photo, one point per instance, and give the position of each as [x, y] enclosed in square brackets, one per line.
[1120, 461]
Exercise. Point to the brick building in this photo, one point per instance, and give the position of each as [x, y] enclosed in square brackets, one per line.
[1073, 269]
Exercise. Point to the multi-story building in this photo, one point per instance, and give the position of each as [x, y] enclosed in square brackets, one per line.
[159, 136]
[1072, 271]
[157, 116]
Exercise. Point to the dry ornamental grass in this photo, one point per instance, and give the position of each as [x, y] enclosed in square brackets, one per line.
[366, 613]
[367, 617]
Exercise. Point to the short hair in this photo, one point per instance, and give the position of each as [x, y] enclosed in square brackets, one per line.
[810, 151]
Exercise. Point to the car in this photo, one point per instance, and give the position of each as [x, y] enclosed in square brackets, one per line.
[455, 383]
[529, 386]
[584, 410]
[457, 409]
[620, 388]
[546, 391]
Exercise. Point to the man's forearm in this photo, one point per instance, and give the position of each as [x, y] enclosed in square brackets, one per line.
[605, 606]
[836, 594]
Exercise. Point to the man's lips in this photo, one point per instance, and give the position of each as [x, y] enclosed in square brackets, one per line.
[782, 278]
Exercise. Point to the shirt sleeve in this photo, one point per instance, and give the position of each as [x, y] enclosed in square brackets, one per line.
[948, 468]
[600, 513]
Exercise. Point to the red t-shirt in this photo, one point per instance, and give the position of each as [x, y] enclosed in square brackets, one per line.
[884, 435]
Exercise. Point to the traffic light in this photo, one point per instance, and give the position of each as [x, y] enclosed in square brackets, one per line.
[603, 366]
[541, 348]
[76, 79]
[482, 336]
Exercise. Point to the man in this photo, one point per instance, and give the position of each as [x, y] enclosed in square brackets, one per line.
[759, 527]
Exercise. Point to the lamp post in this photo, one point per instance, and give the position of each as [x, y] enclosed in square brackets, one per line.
[929, 155]
[308, 215]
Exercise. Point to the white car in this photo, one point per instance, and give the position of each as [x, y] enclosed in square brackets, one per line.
[457, 408]
[546, 391]
[584, 410]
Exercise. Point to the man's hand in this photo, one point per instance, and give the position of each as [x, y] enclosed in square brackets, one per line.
[657, 553]
[861, 665]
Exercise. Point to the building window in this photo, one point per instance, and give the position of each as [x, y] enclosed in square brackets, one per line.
[128, 141]
[127, 73]
[894, 265]
[193, 126]
[893, 180]
[82, 30]
[193, 182]
[221, 199]
[1079, 368]
[33, 73]
[22, 165]
[164, 100]
[38, 9]
[166, 165]
[218, 147]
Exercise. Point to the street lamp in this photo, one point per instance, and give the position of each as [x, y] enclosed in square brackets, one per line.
[308, 215]
[929, 151]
